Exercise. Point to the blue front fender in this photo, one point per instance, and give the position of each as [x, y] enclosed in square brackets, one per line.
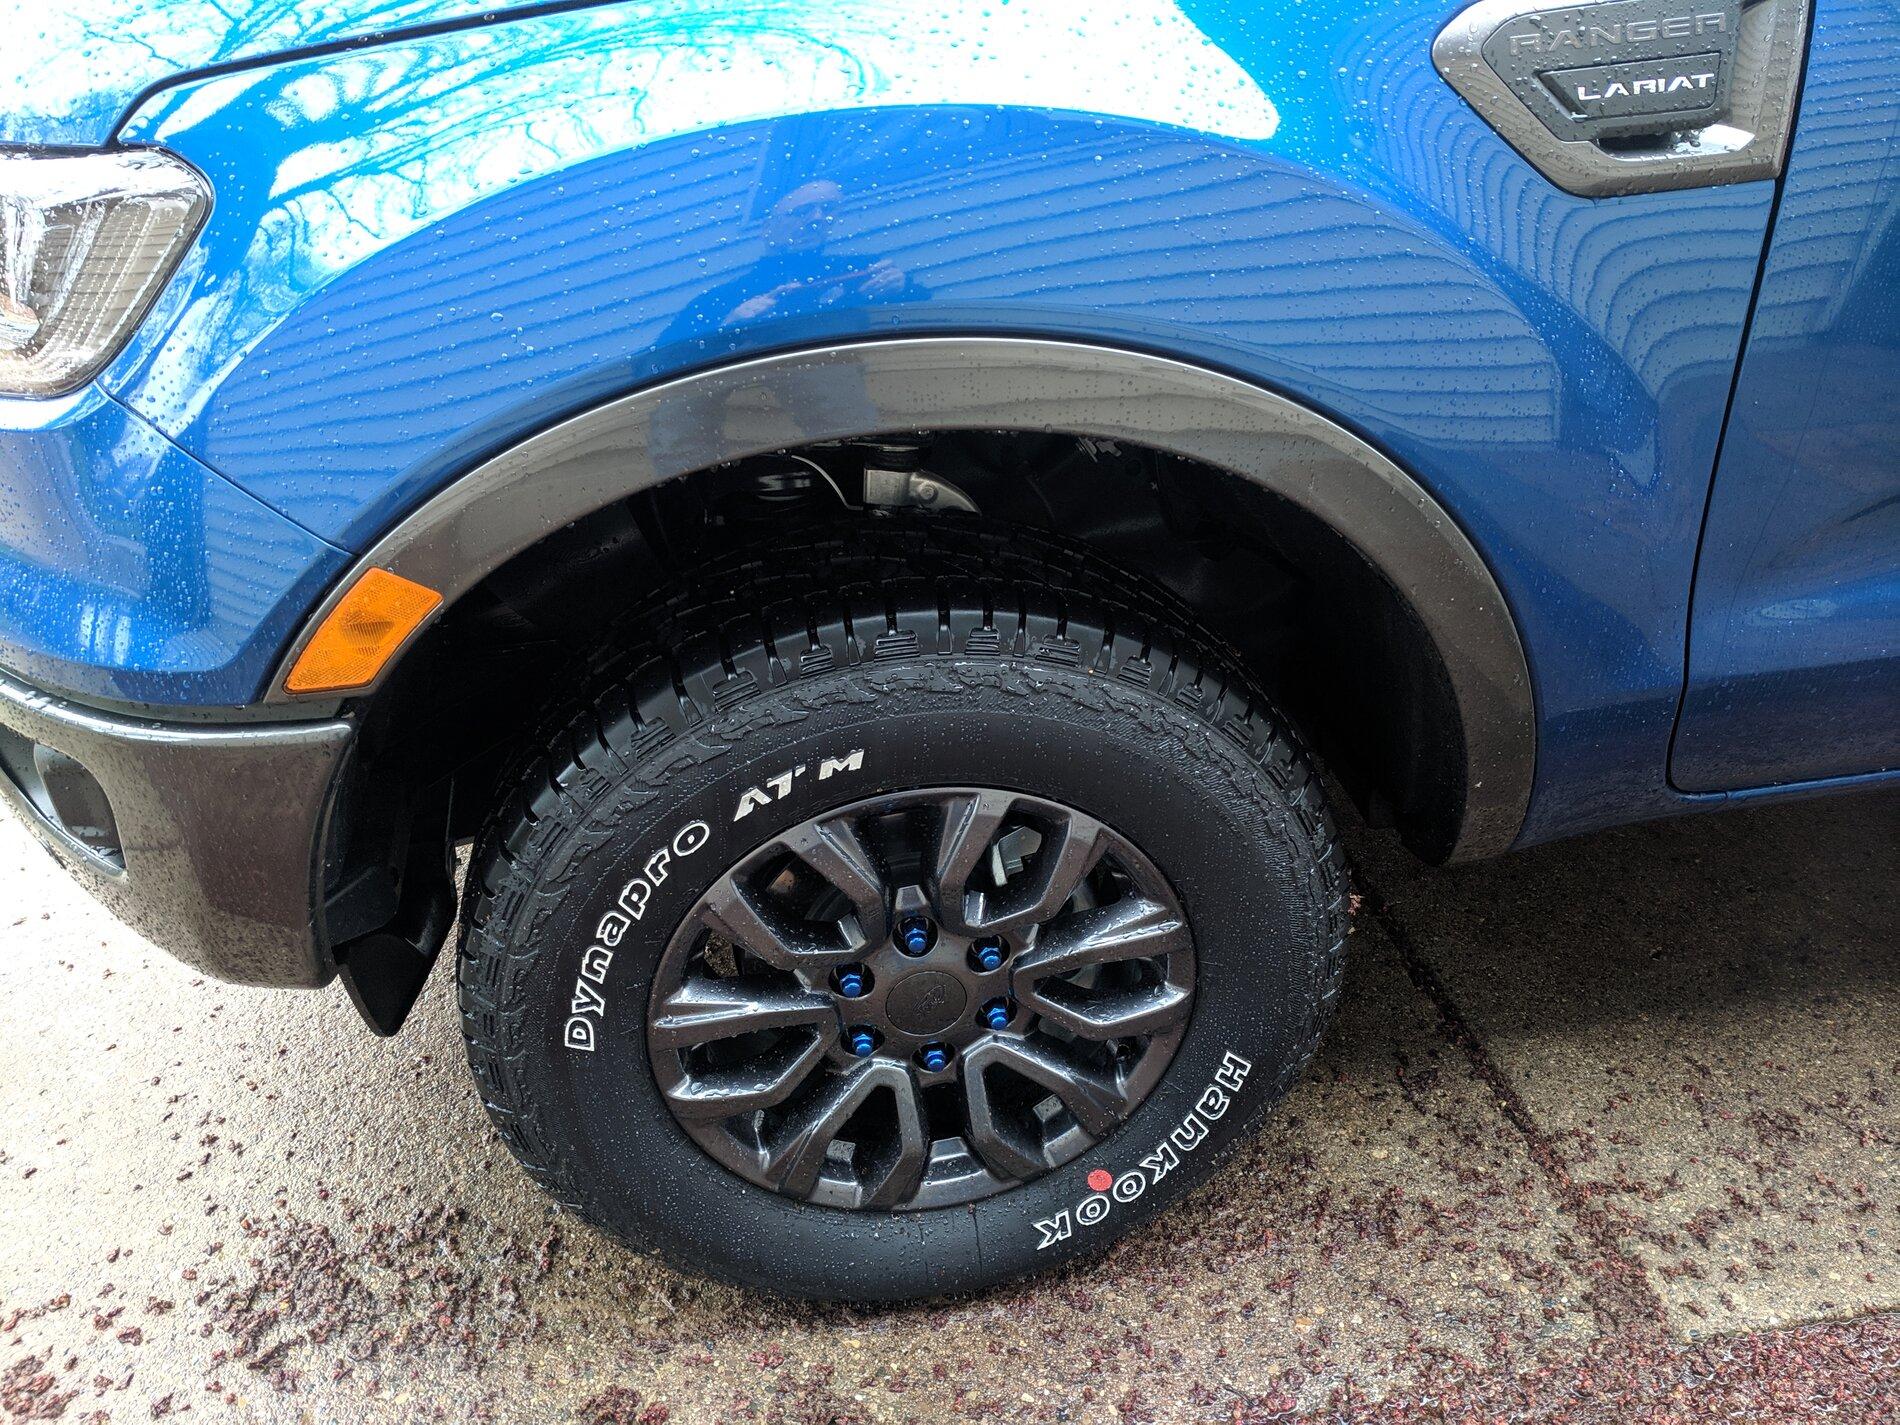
[423, 251]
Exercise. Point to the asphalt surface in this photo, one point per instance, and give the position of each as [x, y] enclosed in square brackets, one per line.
[1606, 1131]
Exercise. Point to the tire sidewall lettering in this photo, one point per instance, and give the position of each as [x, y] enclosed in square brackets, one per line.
[588, 1004]
[661, 881]
[1192, 1131]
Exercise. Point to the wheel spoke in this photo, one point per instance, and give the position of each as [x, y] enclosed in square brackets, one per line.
[760, 1082]
[1072, 846]
[1006, 1148]
[1094, 1098]
[832, 849]
[909, 1156]
[1131, 929]
[703, 1011]
[796, 1149]
[729, 911]
[1110, 1014]
[1071, 849]
[971, 822]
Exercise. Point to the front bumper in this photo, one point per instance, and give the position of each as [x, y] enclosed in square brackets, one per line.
[205, 839]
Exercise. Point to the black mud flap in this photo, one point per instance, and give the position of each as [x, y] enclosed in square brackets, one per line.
[384, 971]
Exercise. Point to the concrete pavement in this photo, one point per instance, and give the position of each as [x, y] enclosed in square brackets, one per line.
[1608, 1130]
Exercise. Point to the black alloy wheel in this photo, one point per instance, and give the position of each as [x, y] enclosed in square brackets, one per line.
[921, 999]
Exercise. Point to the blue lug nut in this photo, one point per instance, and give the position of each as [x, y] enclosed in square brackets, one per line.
[988, 954]
[935, 1057]
[913, 936]
[860, 1042]
[996, 1014]
[853, 983]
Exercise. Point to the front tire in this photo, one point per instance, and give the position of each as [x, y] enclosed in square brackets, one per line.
[887, 751]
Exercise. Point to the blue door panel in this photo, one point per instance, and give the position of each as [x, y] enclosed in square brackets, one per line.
[1794, 653]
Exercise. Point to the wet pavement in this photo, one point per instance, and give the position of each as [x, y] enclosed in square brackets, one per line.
[1606, 1131]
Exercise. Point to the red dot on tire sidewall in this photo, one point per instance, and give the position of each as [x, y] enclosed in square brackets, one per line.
[1101, 1180]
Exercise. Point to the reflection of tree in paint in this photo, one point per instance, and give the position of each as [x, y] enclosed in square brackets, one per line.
[78, 62]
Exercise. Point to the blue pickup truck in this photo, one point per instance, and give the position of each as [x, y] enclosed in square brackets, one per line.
[889, 526]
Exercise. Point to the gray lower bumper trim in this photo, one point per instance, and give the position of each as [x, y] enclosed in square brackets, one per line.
[220, 828]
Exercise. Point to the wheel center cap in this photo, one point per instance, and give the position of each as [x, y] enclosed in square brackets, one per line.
[926, 1002]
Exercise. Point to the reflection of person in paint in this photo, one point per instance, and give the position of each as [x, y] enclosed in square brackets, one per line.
[796, 276]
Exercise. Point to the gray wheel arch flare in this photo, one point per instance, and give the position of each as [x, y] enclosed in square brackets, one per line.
[591, 460]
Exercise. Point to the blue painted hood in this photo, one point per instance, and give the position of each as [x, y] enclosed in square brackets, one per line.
[70, 69]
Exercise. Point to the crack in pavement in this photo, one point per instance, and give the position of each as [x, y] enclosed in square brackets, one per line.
[1625, 1301]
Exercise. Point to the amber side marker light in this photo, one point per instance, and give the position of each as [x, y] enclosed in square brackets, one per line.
[357, 637]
